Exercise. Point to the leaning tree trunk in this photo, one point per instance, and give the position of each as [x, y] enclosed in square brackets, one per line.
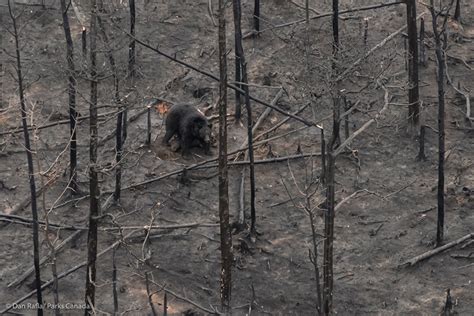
[253, 230]
[93, 177]
[413, 90]
[238, 59]
[72, 98]
[226, 237]
[29, 157]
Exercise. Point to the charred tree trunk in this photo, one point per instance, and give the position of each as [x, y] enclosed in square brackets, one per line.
[256, 16]
[72, 98]
[237, 8]
[323, 157]
[346, 118]
[335, 27]
[114, 282]
[422, 42]
[328, 275]
[118, 155]
[226, 237]
[253, 231]
[440, 57]
[93, 176]
[84, 44]
[243, 68]
[457, 10]
[131, 65]
[421, 153]
[413, 92]
[29, 157]
[131, 46]
[119, 129]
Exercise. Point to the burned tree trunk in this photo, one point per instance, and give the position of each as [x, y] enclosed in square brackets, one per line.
[330, 168]
[93, 172]
[253, 231]
[226, 237]
[243, 68]
[119, 128]
[132, 71]
[131, 46]
[335, 27]
[457, 10]
[422, 42]
[238, 59]
[256, 16]
[29, 157]
[413, 92]
[84, 44]
[323, 157]
[72, 98]
[440, 57]
[328, 275]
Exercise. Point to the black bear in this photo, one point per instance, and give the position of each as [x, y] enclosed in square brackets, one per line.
[191, 126]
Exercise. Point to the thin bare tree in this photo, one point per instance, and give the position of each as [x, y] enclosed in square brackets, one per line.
[226, 236]
[131, 45]
[72, 97]
[29, 157]
[329, 204]
[93, 172]
[253, 217]
[328, 275]
[413, 89]
[132, 70]
[440, 47]
[237, 10]
[242, 67]
[117, 101]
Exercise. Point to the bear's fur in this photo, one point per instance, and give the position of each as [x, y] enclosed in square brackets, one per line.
[191, 126]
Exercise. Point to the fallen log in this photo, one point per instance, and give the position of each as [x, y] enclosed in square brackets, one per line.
[435, 251]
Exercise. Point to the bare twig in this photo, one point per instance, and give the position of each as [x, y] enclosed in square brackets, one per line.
[30, 270]
[372, 50]
[211, 14]
[463, 93]
[60, 122]
[149, 228]
[327, 14]
[364, 127]
[65, 273]
[262, 118]
[20, 206]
